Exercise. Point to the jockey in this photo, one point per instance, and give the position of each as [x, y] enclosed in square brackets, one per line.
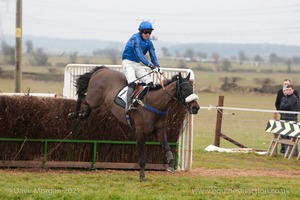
[134, 53]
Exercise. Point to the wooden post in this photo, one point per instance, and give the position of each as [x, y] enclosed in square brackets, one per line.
[18, 50]
[219, 122]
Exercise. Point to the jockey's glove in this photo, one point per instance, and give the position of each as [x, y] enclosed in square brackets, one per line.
[157, 70]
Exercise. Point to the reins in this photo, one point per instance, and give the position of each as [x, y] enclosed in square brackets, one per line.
[177, 98]
[160, 81]
[178, 94]
[149, 108]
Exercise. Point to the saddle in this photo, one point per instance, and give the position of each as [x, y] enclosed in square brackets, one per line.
[138, 93]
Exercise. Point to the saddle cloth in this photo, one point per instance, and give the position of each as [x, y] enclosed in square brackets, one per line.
[138, 93]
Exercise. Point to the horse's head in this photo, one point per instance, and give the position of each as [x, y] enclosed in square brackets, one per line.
[185, 94]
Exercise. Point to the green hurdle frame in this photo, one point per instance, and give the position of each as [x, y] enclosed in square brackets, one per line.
[94, 142]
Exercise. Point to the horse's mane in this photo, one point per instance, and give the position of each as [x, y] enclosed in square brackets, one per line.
[169, 81]
[165, 83]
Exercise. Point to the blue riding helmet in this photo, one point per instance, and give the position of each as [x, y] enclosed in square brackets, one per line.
[145, 26]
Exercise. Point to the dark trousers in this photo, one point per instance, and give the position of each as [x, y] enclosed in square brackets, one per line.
[284, 146]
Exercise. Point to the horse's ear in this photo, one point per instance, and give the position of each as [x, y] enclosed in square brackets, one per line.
[179, 76]
[188, 76]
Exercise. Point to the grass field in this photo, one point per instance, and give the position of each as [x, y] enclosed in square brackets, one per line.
[124, 185]
[233, 176]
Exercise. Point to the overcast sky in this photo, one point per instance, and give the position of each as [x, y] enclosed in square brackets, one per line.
[178, 21]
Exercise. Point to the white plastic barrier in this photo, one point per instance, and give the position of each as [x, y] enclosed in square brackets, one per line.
[185, 141]
[30, 94]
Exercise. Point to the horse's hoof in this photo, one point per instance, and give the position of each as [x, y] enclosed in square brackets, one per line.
[72, 116]
[171, 170]
[80, 116]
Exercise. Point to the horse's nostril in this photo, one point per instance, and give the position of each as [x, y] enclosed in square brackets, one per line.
[195, 109]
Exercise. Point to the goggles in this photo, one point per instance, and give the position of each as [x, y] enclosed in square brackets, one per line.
[146, 32]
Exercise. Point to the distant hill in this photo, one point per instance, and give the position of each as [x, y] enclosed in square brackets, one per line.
[228, 50]
[86, 47]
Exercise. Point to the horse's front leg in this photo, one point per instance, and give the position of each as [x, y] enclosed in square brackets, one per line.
[141, 154]
[163, 140]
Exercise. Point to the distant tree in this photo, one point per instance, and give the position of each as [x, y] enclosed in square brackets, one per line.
[288, 63]
[258, 59]
[165, 52]
[8, 53]
[273, 58]
[242, 57]
[73, 57]
[40, 57]
[226, 65]
[29, 46]
[189, 53]
[215, 56]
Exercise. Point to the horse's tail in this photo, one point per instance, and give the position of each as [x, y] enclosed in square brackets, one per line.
[83, 80]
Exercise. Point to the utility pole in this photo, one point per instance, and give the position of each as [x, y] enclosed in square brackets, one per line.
[18, 50]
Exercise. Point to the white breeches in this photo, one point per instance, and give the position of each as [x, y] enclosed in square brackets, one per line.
[133, 70]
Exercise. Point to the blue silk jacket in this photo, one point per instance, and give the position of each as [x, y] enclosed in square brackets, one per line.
[136, 49]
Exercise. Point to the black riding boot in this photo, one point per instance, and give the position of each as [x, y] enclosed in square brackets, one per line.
[130, 90]
[150, 84]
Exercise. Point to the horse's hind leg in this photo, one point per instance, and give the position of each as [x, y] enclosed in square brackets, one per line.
[74, 115]
[141, 154]
[86, 113]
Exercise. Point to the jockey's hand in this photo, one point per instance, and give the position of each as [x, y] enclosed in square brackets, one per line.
[157, 70]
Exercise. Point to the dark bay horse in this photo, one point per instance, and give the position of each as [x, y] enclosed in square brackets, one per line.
[101, 85]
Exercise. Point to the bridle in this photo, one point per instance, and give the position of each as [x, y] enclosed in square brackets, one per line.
[178, 94]
[178, 97]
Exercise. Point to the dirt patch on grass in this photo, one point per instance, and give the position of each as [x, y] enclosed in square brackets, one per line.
[239, 172]
[192, 173]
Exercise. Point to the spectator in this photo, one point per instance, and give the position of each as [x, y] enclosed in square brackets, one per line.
[289, 102]
[280, 93]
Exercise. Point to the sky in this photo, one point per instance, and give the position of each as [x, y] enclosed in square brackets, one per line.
[189, 21]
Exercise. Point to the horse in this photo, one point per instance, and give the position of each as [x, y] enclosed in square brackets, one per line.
[100, 86]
